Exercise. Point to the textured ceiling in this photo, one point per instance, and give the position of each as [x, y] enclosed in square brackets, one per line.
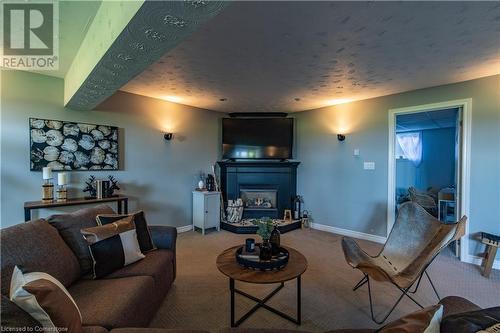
[156, 28]
[293, 56]
[426, 120]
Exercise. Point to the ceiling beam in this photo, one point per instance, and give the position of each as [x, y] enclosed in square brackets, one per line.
[124, 39]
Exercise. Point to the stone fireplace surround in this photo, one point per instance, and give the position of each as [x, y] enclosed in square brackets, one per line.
[272, 181]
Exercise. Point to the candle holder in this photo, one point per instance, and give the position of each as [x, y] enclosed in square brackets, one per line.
[47, 191]
[47, 187]
[62, 193]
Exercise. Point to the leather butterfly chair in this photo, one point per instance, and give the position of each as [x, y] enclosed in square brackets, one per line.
[415, 240]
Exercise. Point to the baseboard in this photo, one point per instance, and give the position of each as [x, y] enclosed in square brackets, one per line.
[471, 259]
[350, 233]
[185, 228]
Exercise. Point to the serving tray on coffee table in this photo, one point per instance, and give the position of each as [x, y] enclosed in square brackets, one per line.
[251, 260]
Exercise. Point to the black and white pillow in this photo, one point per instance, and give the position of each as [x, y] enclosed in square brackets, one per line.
[141, 226]
[112, 246]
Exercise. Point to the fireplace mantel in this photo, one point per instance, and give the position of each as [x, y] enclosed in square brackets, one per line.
[279, 176]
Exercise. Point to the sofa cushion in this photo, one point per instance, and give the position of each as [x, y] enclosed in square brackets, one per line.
[69, 226]
[52, 255]
[472, 322]
[15, 319]
[158, 264]
[46, 300]
[112, 303]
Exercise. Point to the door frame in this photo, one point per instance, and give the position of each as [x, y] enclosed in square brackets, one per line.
[463, 186]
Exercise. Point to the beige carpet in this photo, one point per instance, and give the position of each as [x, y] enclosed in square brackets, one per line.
[199, 298]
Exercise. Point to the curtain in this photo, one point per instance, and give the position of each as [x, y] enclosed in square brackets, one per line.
[411, 144]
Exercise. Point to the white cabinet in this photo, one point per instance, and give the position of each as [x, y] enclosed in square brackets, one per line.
[206, 210]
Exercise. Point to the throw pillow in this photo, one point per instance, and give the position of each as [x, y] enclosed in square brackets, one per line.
[473, 321]
[46, 300]
[141, 227]
[69, 226]
[112, 246]
[424, 321]
[15, 319]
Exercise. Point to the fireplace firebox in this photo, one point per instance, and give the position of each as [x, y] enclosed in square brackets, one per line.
[255, 199]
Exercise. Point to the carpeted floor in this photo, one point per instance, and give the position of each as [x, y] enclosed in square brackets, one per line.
[199, 298]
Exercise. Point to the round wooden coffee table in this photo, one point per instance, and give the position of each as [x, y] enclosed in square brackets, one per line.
[297, 265]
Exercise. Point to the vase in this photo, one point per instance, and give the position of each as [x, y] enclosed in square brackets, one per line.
[201, 184]
[275, 241]
[266, 251]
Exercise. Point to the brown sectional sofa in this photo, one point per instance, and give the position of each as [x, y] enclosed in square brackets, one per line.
[125, 300]
[128, 297]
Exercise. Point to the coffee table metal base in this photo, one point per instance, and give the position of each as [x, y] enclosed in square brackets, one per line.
[261, 303]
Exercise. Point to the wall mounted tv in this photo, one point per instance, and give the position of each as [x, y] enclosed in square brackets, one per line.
[257, 138]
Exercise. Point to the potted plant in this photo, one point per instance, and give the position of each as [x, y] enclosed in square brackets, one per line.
[264, 229]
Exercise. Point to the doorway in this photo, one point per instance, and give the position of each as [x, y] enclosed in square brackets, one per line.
[429, 161]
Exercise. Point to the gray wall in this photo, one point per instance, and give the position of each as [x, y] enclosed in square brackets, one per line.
[437, 168]
[339, 193]
[158, 175]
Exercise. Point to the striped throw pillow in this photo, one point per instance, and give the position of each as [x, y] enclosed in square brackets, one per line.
[112, 246]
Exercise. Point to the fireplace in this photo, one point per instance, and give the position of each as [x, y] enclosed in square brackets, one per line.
[266, 188]
[259, 200]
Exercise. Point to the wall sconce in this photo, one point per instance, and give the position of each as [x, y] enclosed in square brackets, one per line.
[341, 137]
[168, 136]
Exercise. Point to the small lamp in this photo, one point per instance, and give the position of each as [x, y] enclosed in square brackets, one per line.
[341, 137]
[62, 181]
[168, 136]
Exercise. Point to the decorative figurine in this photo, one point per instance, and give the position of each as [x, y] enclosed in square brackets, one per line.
[112, 187]
[91, 188]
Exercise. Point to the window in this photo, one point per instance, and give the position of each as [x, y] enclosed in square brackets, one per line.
[409, 146]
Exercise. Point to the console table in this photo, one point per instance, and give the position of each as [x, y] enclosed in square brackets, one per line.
[121, 200]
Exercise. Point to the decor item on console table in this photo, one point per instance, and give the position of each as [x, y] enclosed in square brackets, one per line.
[62, 181]
[47, 187]
[101, 188]
[91, 188]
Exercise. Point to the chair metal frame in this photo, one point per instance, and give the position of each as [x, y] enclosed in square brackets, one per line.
[404, 292]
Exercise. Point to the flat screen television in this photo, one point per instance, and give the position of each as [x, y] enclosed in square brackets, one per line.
[257, 138]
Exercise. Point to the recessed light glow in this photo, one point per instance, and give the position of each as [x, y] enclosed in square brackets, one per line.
[338, 101]
[173, 99]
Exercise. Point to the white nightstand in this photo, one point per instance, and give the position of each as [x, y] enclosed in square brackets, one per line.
[206, 210]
